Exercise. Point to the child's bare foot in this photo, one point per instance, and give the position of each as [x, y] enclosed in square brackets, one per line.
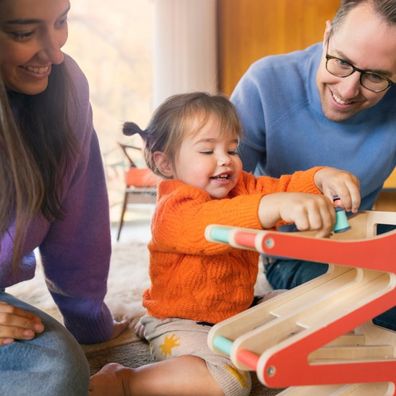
[108, 381]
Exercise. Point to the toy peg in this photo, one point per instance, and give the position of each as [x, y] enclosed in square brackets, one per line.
[341, 223]
[249, 358]
[223, 344]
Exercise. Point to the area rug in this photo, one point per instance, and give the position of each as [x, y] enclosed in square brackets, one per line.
[128, 278]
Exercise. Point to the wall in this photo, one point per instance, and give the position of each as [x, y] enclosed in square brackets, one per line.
[251, 29]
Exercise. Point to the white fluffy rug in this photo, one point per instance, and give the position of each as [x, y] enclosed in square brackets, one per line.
[128, 278]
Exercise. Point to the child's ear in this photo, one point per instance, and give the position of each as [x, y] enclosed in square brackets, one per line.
[163, 164]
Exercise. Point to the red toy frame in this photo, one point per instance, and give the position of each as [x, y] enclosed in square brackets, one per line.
[310, 335]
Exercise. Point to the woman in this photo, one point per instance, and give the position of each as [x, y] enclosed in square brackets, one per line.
[52, 196]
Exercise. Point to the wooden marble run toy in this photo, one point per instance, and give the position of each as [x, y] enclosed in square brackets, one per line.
[318, 338]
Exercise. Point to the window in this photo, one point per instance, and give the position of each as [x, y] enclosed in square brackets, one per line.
[135, 53]
[112, 43]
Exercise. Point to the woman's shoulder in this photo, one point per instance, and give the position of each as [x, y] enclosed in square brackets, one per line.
[80, 114]
[73, 69]
[77, 78]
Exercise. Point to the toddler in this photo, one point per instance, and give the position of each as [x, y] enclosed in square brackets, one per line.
[192, 142]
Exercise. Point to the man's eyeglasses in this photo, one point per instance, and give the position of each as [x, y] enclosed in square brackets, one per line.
[372, 81]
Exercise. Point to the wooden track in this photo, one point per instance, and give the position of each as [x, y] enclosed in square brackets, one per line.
[317, 339]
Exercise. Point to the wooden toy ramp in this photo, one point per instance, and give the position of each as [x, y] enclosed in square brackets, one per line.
[317, 339]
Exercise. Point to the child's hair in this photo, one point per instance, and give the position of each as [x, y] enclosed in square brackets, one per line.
[171, 120]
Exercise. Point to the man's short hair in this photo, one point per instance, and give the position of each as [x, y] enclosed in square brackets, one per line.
[384, 8]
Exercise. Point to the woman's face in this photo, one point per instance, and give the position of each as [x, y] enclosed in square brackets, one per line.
[32, 33]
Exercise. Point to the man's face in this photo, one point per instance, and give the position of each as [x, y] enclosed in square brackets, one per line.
[366, 41]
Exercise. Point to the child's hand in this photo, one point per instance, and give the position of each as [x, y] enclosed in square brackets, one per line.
[306, 211]
[335, 182]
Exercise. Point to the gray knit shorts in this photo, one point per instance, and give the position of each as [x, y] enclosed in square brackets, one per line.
[170, 338]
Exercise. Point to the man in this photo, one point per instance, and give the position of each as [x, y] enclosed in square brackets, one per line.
[331, 104]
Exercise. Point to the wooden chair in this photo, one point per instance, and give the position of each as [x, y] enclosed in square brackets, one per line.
[318, 338]
[140, 183]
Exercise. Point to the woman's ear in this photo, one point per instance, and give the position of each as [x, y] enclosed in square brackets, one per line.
[163, 164]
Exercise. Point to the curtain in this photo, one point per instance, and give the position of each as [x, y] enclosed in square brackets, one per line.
[185, 47]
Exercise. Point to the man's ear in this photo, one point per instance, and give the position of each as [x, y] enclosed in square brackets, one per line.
[163, 164]
[327, 32]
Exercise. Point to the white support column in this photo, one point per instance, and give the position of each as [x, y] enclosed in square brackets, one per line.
[185, 47]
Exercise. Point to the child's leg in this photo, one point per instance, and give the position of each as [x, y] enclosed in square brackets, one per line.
[171, 338]
[186, 366]
[108, 381]
[184, 375]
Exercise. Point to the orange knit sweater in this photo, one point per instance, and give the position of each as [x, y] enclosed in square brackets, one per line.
[195, 279]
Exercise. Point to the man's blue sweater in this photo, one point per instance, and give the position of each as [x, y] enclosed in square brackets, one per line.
[285, 129]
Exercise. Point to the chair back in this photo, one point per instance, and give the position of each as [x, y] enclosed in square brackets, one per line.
[135, 176]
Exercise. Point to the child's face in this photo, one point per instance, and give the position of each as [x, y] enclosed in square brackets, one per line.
[208, 159]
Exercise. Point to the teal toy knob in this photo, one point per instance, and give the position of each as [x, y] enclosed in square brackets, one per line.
[342, 223]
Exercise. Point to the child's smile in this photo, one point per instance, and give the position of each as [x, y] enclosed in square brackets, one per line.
[223, 178]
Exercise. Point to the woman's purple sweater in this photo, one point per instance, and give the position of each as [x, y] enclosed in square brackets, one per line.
[76, 250]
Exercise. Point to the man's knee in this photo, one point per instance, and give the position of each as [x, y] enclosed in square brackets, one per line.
[287, 274]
